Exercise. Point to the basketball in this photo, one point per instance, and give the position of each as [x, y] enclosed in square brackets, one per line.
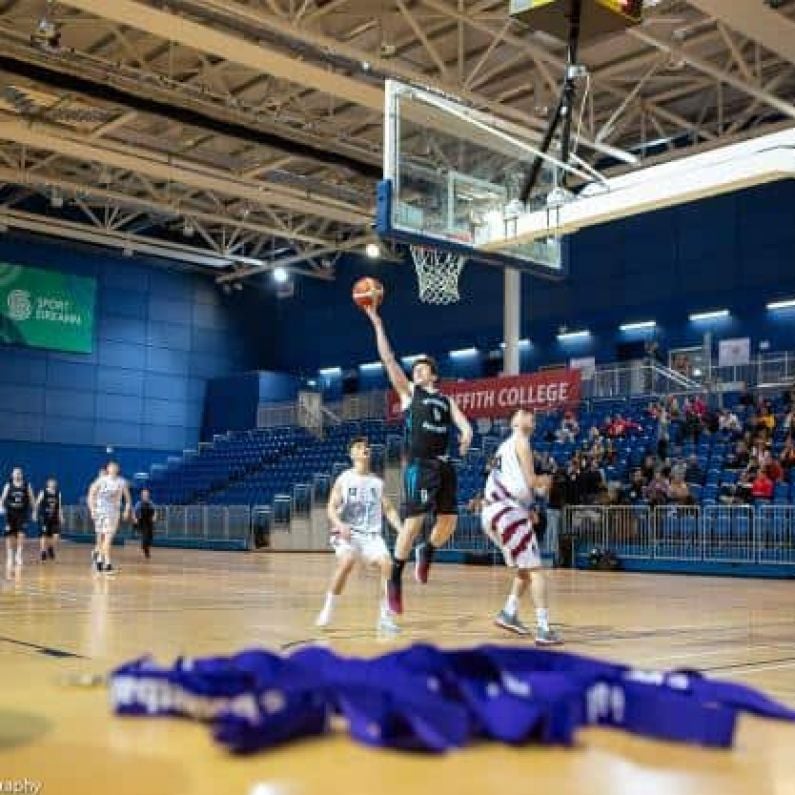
[368, 292]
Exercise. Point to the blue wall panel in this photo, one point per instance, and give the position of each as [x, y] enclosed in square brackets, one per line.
[144, 384]
[735, 251]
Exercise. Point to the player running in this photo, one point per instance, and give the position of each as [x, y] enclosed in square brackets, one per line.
[356, 509]
[507, 518]
[17, 501]
[104, 501]
[430, 481]
[49, 507]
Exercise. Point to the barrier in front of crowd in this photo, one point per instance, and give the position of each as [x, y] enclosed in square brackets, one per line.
[754, 536]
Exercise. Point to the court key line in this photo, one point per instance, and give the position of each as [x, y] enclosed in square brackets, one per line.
[49, 651]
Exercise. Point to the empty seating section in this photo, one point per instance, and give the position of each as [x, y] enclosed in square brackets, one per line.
[253, 467]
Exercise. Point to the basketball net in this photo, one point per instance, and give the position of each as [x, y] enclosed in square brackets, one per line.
[437, 274]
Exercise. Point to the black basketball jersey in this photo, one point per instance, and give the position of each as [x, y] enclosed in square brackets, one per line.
[428, 425]
[50, 507]
[145, 512]
[18, 498]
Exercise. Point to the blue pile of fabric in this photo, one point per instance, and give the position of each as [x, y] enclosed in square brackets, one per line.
[431, 700]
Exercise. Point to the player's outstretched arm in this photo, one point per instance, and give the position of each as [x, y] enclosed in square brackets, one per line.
[333, 511]
[393, 369]
[392, 516]
[464, 428]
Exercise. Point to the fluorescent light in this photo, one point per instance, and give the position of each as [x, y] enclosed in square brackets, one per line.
[413, 358]
[280, 275]
[714, 315]
[639, 326]
[328, 371]
[789, 304]
[574, 335]
[372, 250]
[522, 344]
[371, 366]
[462, 352]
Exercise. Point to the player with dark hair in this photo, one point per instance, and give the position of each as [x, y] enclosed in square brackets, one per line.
[17, 501]
[49, 508]
[144, 514]
[430, 482]
[356, 510]
[509, 514]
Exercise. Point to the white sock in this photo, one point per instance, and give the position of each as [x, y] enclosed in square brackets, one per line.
[331, 600]
[512, 605]
[542, 618]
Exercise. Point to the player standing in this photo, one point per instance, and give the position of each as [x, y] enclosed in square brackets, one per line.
[16, 500]
[507, 518]
[430, 481]
[49, 508]
[104, 501]
[356, 509]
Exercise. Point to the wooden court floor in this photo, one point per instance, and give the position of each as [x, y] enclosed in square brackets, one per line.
[59, 620]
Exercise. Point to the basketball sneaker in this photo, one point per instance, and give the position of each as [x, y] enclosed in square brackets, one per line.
[422, 564]
[394, 597]
[547, 637]
[44, 556]
[108, 569]
[386, 625]
[51, 553]
[511, 623]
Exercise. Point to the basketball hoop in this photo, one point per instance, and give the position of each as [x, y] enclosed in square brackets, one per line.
[437, 273]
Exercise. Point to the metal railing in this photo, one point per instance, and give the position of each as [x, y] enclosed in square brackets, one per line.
[179, 522]
[710, 534]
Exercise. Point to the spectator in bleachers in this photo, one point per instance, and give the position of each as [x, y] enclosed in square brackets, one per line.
[758, 450]
[730, 423]
[762, 488]
[739, 458]
[636, 491]
[772, 467]
[657, 492]
[786, 423]
[593, 480]
[765, 423]
[693, 471]
[648, 468]
[574, 482]
[569, 428]
[679, 491]
[692, 426]
[787, 457]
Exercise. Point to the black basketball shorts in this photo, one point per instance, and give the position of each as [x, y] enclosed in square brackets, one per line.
[430, 485]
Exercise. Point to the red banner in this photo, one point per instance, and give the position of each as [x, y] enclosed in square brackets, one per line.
[499, 397]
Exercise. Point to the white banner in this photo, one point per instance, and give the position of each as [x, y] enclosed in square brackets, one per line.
[734, 352]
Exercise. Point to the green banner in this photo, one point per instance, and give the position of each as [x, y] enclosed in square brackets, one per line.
[46, 309]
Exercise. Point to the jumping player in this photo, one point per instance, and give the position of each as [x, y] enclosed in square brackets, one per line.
[144, 519]
[50, 511]
[16, 500]
[356, 509]
[430, 477]
[507, 518]
[104, 501]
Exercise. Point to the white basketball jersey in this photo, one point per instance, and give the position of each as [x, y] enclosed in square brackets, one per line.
[362, 509]
[109, 493]
[506, 474]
